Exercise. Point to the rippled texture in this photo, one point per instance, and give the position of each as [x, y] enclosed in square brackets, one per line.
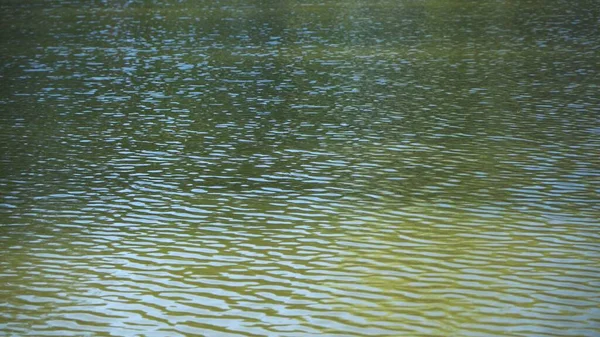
[300, 168]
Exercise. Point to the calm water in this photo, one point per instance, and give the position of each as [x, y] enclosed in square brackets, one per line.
[300, 168]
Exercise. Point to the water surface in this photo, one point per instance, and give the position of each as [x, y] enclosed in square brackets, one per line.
[299, 168]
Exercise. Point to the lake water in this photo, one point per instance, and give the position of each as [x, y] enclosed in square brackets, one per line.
[300, 168]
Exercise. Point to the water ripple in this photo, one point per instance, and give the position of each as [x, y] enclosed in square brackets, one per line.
[300, 169]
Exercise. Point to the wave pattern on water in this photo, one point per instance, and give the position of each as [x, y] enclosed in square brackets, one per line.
[337, 169]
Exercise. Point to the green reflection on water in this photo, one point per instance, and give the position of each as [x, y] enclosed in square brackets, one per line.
[299, 168]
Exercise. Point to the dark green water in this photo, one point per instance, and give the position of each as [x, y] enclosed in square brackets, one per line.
[300, 168]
